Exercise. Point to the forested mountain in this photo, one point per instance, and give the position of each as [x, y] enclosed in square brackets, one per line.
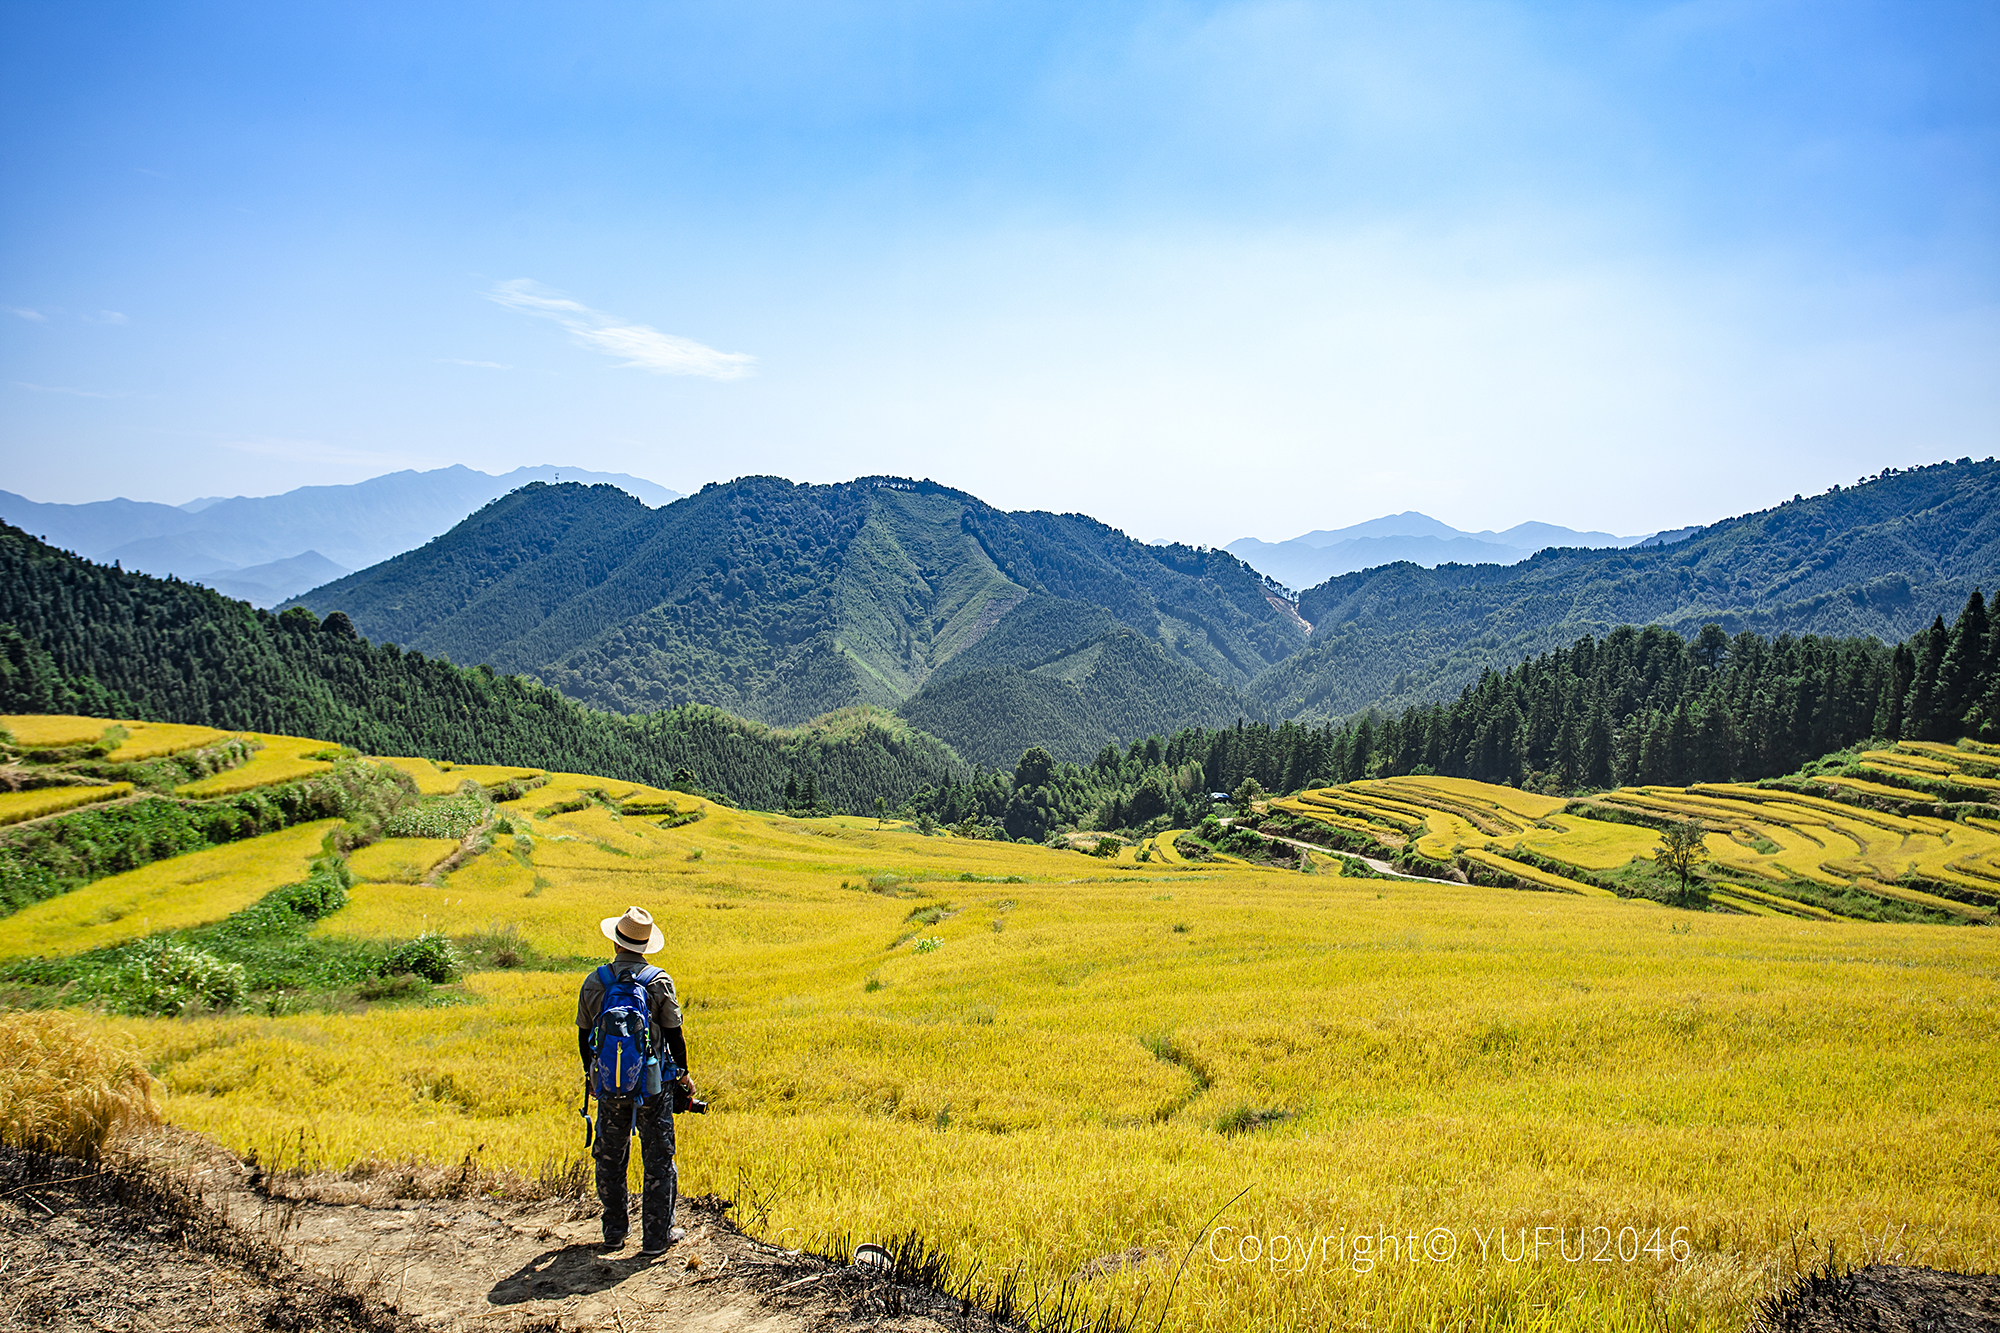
[76, 636]
[1108, 690]
[781, 602]
[1638, 705]
[1881, 558]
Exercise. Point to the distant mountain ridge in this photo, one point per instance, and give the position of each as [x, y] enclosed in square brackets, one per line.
[993, 630]
[780, 602]
[1882, 557]
[266, 548]
[1418, 538]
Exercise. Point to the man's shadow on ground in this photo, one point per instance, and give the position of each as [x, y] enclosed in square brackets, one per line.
[573, 1270]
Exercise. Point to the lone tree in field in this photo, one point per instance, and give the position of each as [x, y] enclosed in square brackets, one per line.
[1680, 848]
[1247, 793]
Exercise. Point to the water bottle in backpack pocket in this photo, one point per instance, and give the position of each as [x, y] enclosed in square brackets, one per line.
[626, 1064]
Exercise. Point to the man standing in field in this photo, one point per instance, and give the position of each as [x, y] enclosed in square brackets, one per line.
[628, 1030]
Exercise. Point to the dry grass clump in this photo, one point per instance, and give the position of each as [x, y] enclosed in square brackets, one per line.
[66, 1088]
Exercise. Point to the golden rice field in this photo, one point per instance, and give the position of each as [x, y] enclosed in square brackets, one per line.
[185, 890]
[442, 778]
[281, 759]
[399, 860]
[143, 740]
[1429, 1096]
[153, 740]
[1763, 842]
[54, 731]
[16, 806]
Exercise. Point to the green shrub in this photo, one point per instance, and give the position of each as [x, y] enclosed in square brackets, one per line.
[440, 817]
[429, 956]
[172, 978]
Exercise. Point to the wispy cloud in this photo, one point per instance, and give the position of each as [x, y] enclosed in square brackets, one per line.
[461, 361]
[107, 317]
[57, 388]
[639, 346]
[24, 313]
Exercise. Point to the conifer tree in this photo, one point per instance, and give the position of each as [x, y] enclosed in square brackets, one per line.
[1959, 669]
[1922, 715]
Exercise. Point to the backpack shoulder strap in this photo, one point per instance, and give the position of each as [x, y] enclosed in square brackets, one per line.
[648, 974]
[605, 976]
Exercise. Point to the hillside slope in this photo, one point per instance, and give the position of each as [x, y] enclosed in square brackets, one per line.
[781, 601]
[80, 637]
[1114, 688]
[1881, 558]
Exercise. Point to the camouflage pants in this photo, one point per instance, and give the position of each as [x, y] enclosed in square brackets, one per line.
[613, 1150]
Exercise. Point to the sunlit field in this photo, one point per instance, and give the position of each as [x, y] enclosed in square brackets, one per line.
[1795, 850]
[280, 759]
[16, 806]
[435, 779]
[1365, 1103]
[186, 890]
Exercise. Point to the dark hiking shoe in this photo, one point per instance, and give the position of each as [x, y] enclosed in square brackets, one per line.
[654, 1249]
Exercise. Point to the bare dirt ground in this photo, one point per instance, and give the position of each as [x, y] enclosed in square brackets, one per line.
[179, 1235]
[1885, 1298]
[176, 1234]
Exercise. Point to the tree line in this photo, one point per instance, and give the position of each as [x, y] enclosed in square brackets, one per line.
[1640, 705]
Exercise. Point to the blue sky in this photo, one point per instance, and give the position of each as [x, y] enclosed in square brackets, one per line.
[1204, 271]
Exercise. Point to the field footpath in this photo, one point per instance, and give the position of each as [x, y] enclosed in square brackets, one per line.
[353, 1255]
[1375, 864]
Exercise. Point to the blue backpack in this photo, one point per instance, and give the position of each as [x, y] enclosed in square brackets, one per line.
[626, 1063]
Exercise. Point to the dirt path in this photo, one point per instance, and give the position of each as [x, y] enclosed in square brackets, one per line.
[183, 1236]
[1382, 868]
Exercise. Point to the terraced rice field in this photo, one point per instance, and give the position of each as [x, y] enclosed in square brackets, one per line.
[54, 731]
[16, 806]
[153, 740]
[1041, 1061]
[143, 740]
[1791, 849]
[281, 759]
[187, 890]
[441, 779]
[399, 860]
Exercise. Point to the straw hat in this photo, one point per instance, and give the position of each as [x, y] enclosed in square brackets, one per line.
[635, 931]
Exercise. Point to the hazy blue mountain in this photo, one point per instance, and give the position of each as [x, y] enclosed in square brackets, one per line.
[267, 585]
[1316, 556]
[343, 527]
